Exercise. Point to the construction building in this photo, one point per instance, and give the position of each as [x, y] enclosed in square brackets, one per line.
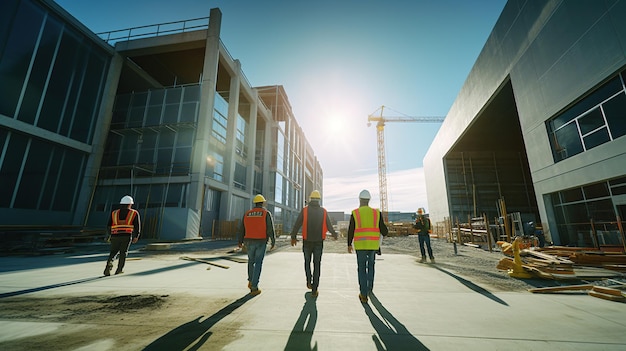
[162, 113]
[540, 123]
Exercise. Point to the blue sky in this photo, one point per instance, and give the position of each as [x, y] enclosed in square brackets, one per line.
[339, 61]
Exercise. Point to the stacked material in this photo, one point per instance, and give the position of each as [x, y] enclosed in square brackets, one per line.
[561, 263]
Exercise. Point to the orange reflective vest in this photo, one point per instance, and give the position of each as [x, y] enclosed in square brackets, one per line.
[254, 223]
[124, 226]
[305, 221]
[366, 231]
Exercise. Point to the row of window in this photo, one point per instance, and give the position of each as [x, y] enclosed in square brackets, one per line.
[597, 119]
[38, 175]
[52, 76]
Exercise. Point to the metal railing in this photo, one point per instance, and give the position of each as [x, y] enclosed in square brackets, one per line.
[154, 30]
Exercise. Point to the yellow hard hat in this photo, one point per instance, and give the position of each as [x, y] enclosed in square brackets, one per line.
[315, 195]
[258, 198]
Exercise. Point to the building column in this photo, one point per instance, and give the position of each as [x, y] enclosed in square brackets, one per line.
[251, 143]
[205, 114]
[231, 137]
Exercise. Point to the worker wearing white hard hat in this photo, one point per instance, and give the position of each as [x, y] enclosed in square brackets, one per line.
[366, 227]
[123, 227]
[256, 230]
[315, 222]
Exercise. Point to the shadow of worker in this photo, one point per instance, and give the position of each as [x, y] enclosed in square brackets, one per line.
[392, 335]
[302, 332]
[193, 334]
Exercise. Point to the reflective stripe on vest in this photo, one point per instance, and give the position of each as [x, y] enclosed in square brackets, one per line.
[254, 222]
[366, 231]
[305, 222]
[124, 226]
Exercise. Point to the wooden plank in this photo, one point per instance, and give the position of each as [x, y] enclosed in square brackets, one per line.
[553, 289]
[204, 261]
[607, 296]
[608, 291]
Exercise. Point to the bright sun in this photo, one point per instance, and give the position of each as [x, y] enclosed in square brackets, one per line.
[336, 125]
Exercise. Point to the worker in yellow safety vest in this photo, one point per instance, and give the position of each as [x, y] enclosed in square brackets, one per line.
[315, 223]
[366, 227]
[123, 227]
[257, 228]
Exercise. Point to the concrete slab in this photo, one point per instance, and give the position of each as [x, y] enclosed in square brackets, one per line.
[415, 307]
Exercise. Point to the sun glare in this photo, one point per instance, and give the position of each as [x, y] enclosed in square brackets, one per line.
[336, 125]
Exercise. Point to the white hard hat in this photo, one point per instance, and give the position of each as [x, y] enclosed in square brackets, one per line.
[365, 195]
[127, 200]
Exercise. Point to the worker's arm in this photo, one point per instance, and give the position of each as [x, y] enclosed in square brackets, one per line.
[383, 228]
[241, 233]
[269, 229]
[296, 227]
[351, 233]
[136, 228]
[331, 229]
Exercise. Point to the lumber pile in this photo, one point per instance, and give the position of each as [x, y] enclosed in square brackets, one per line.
[606, 293]
[562, 263]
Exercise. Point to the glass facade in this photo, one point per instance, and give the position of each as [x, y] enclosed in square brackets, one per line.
[596, 119]
[589, 216]
[52, 78]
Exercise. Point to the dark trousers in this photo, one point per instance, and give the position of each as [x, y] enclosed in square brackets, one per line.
[119, 244]
[312, 249]
[424, 240]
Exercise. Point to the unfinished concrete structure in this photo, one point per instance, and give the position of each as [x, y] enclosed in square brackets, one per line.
[540, 123]
[162, 113]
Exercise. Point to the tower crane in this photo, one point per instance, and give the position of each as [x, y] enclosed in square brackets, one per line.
[380, 120]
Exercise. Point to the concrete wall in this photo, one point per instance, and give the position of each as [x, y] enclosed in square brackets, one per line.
[553, 52]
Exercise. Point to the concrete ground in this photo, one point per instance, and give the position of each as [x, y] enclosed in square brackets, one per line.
[415, 307]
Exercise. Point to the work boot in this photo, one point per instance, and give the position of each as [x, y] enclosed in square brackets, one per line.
[363, 298]
[249, 285]
[119, 272]
[432, 260]
[315, 293]
[107, 269]
[255, 291]
[309, 286]
[423, 260]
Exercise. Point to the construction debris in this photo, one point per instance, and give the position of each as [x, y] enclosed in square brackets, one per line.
[562, 262]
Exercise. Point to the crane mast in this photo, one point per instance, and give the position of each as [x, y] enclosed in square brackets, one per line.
[382, 162]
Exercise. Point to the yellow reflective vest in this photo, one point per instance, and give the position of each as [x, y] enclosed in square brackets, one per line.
[366, 230]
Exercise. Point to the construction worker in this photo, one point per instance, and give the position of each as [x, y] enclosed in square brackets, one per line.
[123, 226]
[423, 226]
[257, 228]
[315, 223]
[366, 227]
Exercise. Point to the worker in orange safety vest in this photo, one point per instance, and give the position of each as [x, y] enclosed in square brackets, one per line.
[365, 228]
[123, 227]
[314, 221]
[256, 230]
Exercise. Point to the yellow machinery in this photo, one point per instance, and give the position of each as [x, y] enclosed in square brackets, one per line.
[378, 117]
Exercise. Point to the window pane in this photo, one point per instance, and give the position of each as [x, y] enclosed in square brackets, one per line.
[39, 72]
[602, 210]
[89, 102]
[568, 142]
[615, 112]
[596, 138]
[591, 121]
[572, 195]
[11, 167]
[31, 182]
[69, 181]
[596, 190]
[17, 54]
[54, 171]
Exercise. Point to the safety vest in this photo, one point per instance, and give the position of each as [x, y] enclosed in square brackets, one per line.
[254, 222]
[366, 231]
[305, 221]
[124, 226]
